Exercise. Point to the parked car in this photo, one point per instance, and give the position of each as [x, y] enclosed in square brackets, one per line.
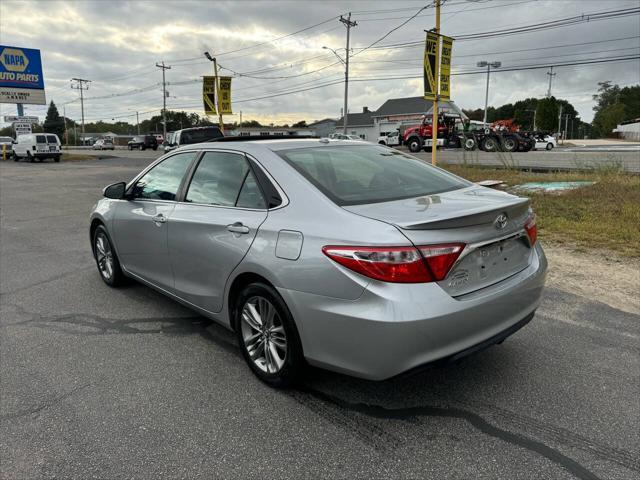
[190, 136]
[346, 255]
[342, 136]
[37, 146]
[142, 142]
[545, 142]
[103, 144]
[7, 143]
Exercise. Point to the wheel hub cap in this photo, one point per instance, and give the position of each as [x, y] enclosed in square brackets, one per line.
[263, 334]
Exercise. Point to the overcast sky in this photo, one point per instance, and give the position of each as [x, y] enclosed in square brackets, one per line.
[116, 45]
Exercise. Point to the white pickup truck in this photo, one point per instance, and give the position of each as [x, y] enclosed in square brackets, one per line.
[391, 139]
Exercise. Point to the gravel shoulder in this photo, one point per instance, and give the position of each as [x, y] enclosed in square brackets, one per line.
[596, 275]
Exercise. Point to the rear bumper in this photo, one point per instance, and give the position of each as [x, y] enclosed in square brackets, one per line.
[46, 154]
[395, 328]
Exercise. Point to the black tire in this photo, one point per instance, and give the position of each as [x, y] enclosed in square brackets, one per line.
[489, 144]
[414, 144]
[116, 278]
[30, 157]
[16, 158]
[142, 148]
[470, 144]
[293, 363]
[509, 144]
[155, 148]
[129, 147]
[549, 146]
[382, 142]
[56, 159]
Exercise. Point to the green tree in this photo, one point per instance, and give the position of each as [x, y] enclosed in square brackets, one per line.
[54, 123]
[607, 118]
[547, 114]
[300, 124]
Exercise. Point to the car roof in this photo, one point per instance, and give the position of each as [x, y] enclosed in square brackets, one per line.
[276, 145]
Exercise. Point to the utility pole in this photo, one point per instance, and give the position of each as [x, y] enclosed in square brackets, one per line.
[138, 122]
[64, 118]
[164, 98]
[560, 123]
[81, 85]
[566, 125]
[347, 23]
[486, 95]
[217, 81]
[551, 75]
[434, 118]
[534, 117]
[240, 119]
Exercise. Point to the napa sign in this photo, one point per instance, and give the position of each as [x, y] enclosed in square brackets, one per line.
[21, 79]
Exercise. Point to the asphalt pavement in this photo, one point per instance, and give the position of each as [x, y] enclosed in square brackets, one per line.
[124, 383]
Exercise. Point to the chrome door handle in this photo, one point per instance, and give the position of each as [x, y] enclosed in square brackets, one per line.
[238, 227]
[160, 218]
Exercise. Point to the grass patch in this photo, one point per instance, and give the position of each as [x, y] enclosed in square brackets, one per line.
[604, 216]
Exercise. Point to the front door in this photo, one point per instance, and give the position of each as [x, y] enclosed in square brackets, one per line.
[141, 223]
[212, 230]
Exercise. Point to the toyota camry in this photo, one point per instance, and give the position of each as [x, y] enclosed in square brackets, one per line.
[341, 254]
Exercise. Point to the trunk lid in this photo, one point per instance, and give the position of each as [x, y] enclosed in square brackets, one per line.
[495, 249]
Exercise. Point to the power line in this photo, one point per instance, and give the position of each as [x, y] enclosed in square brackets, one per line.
[81, 84]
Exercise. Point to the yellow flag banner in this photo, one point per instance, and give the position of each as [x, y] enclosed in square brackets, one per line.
[209, 95]
[445, 68]
[225, 95]
[430, 66]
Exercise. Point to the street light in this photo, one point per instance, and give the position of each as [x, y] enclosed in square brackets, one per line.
[486, 97]
[346, 83]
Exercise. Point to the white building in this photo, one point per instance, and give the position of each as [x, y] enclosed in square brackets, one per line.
[629, 130]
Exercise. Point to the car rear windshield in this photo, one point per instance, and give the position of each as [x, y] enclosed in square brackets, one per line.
[352, 175]
[41, 139]
[200, 135]
[52, 139]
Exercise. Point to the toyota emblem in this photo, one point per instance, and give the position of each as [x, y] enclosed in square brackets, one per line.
[501, 221]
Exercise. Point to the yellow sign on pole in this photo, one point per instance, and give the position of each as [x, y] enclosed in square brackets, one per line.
[209, 95]
[431, 66]
[225, 95]
[445, 68]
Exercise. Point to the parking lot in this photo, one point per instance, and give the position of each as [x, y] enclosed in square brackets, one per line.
[122, 383]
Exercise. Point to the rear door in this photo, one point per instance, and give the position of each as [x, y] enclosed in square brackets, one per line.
[141, 222]
[212, 229]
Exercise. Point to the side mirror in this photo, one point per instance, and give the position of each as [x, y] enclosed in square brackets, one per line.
[115, 190]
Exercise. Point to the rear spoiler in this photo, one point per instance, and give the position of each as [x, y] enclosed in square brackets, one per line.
[471, 217]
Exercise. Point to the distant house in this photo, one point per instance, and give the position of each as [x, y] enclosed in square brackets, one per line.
[629, 130]
[360, 124]
[323, 127]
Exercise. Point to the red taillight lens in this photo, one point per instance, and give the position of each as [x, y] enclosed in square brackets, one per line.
[441, 258]
[531, 228]
[397, 264]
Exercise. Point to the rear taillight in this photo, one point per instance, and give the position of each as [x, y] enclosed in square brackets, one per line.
[531, 228]
[398, 264]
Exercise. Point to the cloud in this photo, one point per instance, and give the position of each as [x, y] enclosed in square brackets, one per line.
[117, 44]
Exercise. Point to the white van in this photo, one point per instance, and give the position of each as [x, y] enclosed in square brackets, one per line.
[37, 146]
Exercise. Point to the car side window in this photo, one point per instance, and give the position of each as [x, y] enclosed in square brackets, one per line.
[224, 179]
[163, 180]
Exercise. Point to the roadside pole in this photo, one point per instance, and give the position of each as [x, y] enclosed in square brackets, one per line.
[434, 123]
[164, 98]
[560, 124]
[215, 73]
[348, 23]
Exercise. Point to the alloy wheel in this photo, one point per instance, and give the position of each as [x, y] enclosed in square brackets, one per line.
[263, 334]
[104, 256]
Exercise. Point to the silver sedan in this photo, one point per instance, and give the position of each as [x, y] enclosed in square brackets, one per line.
[341, 254]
